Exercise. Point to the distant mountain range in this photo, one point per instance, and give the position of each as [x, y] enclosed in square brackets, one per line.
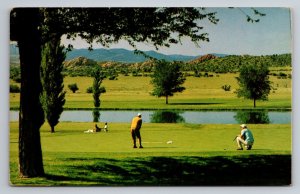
[123, 55]
[117, 55]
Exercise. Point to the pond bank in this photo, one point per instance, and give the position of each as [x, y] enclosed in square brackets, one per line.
[174, 116]
[181, 109]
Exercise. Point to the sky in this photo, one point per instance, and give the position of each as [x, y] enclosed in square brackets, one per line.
[232, 35]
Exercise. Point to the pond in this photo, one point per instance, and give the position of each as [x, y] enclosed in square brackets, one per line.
[168, 116]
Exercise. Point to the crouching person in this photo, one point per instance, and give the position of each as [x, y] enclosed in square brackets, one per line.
[245, 138]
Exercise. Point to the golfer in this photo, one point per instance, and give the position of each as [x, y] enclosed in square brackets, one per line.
[136, 125]
[245, 138]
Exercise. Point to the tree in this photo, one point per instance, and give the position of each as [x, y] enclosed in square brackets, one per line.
[97, 89]
[32, 27]
[254, 82]
[53, 96]
[24, 29]
[167, 79]
[73, 87]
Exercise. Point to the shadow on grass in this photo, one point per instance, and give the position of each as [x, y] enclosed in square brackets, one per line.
[273, 170]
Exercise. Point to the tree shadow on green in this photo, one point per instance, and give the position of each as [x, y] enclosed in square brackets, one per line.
[250, 170]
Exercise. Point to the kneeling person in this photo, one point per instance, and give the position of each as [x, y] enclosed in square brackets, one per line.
[245, 138]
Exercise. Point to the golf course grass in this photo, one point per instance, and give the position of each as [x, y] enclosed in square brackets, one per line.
[130, 92]
[198, 155]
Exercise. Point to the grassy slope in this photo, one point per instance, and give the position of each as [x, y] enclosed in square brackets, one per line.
[72, 157]
[201, 93]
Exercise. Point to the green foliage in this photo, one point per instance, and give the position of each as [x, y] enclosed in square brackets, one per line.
[112, 74]
[97, 89]
[15, 74]
[281, 74]
[73, 87]
[197, 73]
[226, 87]
[79, 71]
[89, 90]
[14, 88]
[254, 82]
[252, 117]
[233, 63]
[207, 63]
[53, 96]
[167, 79]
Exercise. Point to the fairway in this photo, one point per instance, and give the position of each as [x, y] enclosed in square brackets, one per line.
[201, 93]
[199, 154]
[67, 152]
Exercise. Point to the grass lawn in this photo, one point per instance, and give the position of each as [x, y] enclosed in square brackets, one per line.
[201, 93]
[199, 155]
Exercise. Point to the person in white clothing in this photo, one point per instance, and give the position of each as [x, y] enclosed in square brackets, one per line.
[96, 129]
[245, 138]
[105, 127]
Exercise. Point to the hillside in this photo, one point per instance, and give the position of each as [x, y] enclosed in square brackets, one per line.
[79, 61]
[116, 55]
[122, 55]
[202, 59]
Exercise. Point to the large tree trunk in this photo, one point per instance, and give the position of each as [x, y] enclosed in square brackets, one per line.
[52, 129]
[31, 115]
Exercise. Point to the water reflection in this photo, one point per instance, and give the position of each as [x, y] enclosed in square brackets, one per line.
[166, 117]
[96, 115]
[252, 117]
[196, 117]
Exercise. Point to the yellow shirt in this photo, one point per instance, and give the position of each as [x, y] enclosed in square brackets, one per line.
[136, 123]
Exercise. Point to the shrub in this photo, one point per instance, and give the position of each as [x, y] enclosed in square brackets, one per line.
[281, 74]
[15, 74]
[89, 90]
[73, 87]
[197, 73]
[14, 89]
[226, 87]
[113, 77]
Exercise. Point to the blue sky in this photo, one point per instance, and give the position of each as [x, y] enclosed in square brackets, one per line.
[232, 35]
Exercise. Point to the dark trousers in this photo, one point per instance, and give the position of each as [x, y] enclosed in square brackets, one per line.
[136, 134]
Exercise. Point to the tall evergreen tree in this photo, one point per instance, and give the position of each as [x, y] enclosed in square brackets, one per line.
[53, 96]
[254, 82]
[167, 79]
[97, 90]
